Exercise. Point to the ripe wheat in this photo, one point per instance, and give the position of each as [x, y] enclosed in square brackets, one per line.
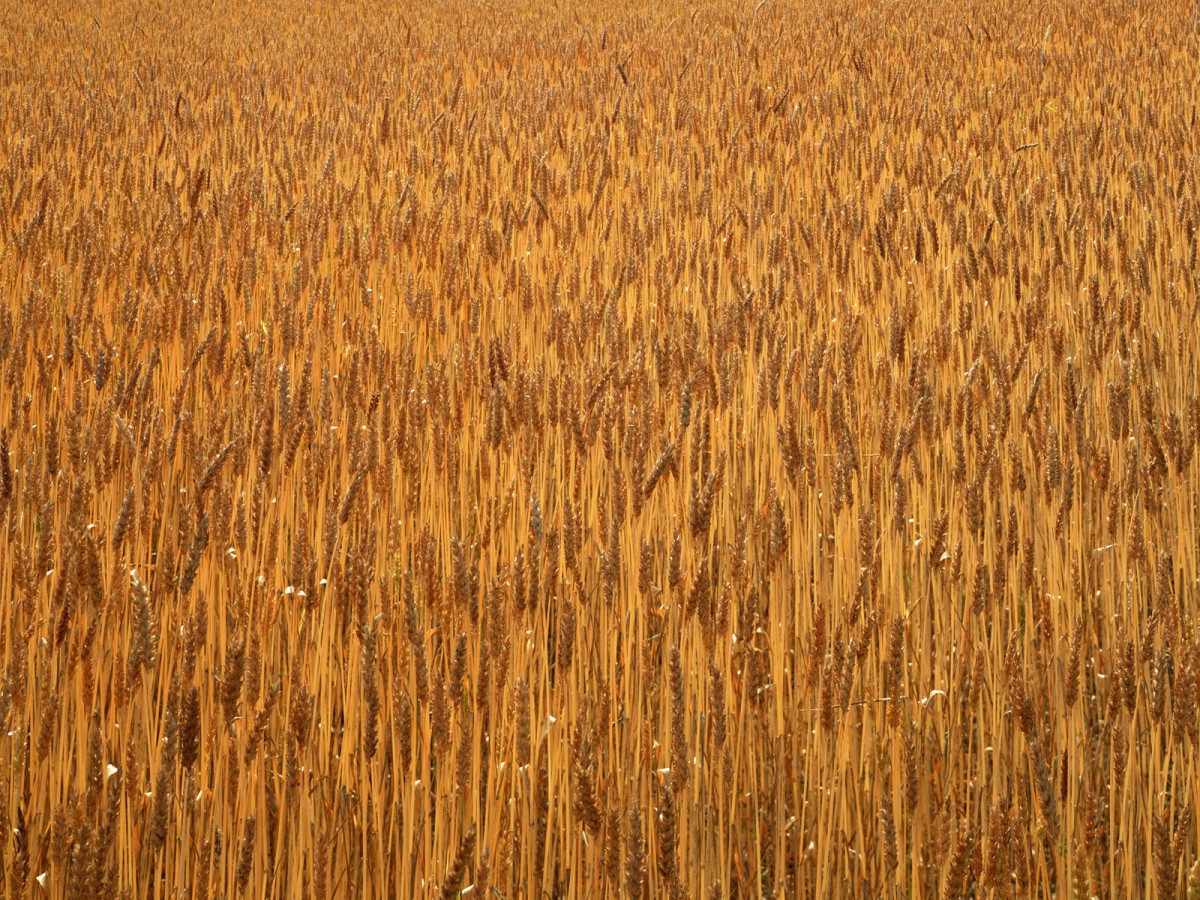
[512, 450]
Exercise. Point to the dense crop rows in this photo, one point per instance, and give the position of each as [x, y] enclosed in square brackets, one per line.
[728, 450]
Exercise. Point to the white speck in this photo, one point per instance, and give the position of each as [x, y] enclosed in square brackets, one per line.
[934, 693]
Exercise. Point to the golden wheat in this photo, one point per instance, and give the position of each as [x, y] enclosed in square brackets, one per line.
[728, 450]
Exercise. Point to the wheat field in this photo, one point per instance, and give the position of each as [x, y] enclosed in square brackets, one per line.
[724, 450]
